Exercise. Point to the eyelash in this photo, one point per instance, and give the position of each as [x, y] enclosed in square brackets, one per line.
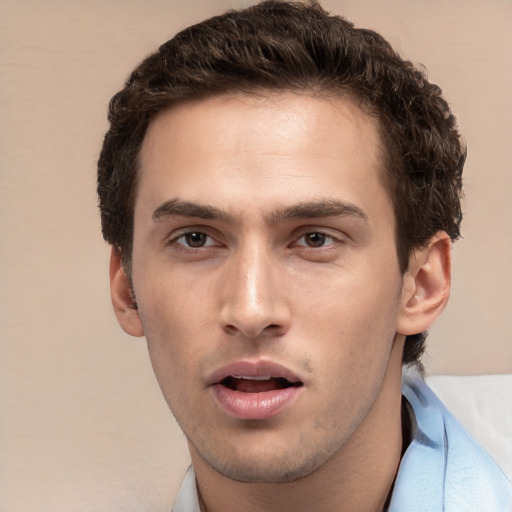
[189, 234]
[324, 237]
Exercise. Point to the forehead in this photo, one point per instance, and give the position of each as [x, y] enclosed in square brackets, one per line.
[277, 147]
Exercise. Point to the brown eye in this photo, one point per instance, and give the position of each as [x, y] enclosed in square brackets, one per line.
[195, 239]
[315, 239]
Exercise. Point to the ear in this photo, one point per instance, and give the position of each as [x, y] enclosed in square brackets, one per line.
[426, 285]
[123, 301]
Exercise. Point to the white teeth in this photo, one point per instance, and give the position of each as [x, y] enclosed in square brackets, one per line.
[254, 377]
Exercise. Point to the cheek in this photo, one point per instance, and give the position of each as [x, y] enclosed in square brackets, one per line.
[351, 303]
[355, 321]
[178, 324]
[170, 357]
[357, 333]
[164, 321]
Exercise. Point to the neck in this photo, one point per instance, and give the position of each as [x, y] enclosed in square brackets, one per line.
[357, 477]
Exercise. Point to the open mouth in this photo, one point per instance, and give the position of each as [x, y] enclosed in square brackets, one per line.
[254, 390]
[258, 384]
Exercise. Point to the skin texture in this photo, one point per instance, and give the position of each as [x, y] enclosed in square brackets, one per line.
[263, 232]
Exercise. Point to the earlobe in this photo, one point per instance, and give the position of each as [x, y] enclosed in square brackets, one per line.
[426, 285]
[123, 302]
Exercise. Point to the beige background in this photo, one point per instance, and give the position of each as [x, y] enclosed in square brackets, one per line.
[82, 425]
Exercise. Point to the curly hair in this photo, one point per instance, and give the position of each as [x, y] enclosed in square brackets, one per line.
[296, 46]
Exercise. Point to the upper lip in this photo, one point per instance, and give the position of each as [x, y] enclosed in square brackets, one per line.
[247, 368]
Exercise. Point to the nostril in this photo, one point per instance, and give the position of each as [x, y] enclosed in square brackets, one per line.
[249, 333]
[230, 329]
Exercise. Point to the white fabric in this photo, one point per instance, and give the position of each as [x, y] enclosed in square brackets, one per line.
[187, 499]
[483, 405]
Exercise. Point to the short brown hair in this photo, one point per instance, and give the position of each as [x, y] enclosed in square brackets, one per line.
[296, 46]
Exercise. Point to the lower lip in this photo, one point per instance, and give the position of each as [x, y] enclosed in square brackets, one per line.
[254, 406]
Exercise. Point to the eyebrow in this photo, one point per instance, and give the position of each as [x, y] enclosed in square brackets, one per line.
[177, 208]
[303, 210]
[316, 209]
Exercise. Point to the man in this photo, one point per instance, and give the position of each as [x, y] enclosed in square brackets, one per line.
[281, 191]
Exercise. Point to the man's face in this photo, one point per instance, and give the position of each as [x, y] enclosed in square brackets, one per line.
[266, 276]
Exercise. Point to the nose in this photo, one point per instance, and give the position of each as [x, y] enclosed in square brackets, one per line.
[254, 297]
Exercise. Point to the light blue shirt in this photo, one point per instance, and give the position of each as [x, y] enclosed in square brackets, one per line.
[442, 470]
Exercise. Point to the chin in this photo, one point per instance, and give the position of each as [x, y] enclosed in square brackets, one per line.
[265, 475]
[274, 468]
